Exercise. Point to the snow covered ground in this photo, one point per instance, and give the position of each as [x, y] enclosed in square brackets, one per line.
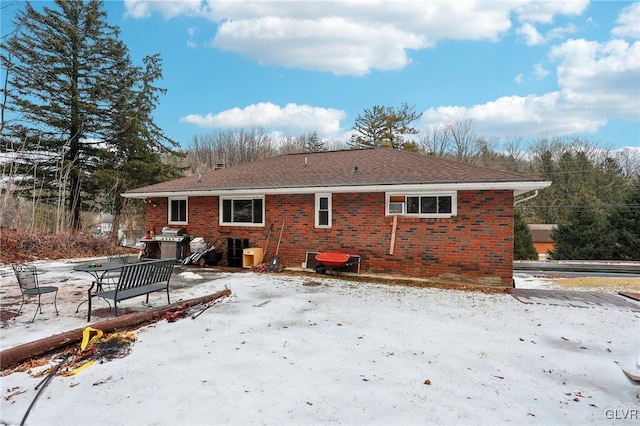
[291, 350]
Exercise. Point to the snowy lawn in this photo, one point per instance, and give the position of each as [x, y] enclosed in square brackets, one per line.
[315, 350]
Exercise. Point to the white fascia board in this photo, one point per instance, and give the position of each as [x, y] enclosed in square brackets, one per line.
[530, 186]
[517, 187]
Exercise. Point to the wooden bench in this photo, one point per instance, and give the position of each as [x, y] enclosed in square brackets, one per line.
[136, 279]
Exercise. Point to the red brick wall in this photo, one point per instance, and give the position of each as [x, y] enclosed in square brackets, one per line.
[156, 214]
[477, 244]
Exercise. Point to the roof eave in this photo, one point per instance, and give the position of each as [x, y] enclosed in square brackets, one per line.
[517, 187]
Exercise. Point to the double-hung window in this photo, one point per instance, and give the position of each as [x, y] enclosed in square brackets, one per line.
[323, 211]
[178, 211]
[242, 211]
[422, 205]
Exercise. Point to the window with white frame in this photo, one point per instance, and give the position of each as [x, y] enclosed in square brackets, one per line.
[440, 204]
[178, 211]
[323, 211]
[242, 211]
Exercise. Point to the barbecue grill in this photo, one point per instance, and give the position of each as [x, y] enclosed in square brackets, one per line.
[173, 243]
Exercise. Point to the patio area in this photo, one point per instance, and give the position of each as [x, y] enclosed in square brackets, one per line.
[186, 283]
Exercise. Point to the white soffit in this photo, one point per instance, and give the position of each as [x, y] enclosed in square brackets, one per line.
[517, 187]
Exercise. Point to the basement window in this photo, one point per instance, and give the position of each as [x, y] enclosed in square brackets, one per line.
[240, 211]
[323, 211]
[436, 205]
[178, 211]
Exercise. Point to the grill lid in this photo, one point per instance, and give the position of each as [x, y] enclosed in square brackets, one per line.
[172, 232]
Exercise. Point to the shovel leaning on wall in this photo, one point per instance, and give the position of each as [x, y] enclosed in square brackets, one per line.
[275, 265]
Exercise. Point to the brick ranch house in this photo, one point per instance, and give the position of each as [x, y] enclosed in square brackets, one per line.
[452, 219]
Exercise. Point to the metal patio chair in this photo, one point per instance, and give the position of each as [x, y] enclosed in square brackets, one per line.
[119, 258]
[27, 277]
[111, 277]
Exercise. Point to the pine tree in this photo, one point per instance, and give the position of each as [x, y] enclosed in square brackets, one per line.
[545, 167]
[523, 248]
[625, 222]
[81, 105]
[586, 235]
[383, 126]
[136, 151]
[312, 143]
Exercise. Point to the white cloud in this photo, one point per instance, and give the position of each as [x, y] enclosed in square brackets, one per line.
[518, 78]
[353, 37]
[628, 22]
[191, 33]
[540, 71]
[531, 35]
[168, 9]
[292, 119]
[543, 12]
[602, 75]
[526, 116]
[329, 44]
[598, 81]
[348, 37]
[560, 32]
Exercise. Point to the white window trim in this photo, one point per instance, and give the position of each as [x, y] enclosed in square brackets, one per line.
[317, 210]
[175, 222]
[240, 224]
[452, 194]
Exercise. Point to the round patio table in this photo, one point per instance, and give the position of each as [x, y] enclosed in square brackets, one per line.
[97, 270]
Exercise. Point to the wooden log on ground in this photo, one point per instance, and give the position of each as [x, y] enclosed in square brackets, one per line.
[21, 353]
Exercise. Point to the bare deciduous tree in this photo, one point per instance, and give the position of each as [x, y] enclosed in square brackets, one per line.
[290, 145]
[465, 143]
[228, 148]
[629, 161]
[436, 140]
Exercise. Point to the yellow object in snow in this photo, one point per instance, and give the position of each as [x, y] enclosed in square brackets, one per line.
[97, 339]
[86, 341]
[79, 369]
[85, 337]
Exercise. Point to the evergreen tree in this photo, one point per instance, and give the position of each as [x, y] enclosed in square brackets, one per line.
[625, 221]
[573, 168]
[546, 168]
[81, 105]
[137, 152]
[586, 235]
[384, 126]
[312, 143]
[523, 248]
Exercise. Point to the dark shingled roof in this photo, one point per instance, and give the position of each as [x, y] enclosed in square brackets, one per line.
[541, 233]
[362, 167]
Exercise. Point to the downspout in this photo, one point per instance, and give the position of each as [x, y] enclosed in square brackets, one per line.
[535, 194]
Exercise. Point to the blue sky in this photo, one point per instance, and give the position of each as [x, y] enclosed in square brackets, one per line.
[516, 69]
